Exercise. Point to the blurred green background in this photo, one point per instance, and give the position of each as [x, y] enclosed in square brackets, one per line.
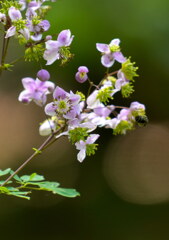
[125, 186]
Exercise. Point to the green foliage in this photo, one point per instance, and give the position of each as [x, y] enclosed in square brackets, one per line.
[104, 95]
[78, 134]
[23, 186]
[127, 90]
[5, 5]
[122, 127]
[129, 70]
[5, 172]
[91, 149]
[34, 53]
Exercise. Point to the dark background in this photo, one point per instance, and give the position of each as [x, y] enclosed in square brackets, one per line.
[125, 186]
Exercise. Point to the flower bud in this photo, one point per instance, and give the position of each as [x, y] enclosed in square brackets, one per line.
[81, 75]
[43, 75]
[48, 37]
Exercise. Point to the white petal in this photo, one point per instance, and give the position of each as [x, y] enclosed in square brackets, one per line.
[81, 155]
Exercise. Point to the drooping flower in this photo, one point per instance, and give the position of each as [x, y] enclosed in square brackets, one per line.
[81, 75]
[47, 127]
[84, 147]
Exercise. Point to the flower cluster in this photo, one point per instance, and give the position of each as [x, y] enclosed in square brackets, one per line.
[26, 21]
[79, 115]
[72, 114]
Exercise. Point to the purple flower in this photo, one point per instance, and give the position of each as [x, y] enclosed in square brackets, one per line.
[110, 53]
[35, 90]
[36, 29]
[81, 75]
[14, 14]
[135, 106]
[52, 52]
[82, 145]
[66, 105]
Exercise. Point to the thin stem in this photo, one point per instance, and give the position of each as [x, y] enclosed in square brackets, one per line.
[41, 148]
[16, 60]
[5, 50]
[121, 107]
[91, 84]
[30, 188]
[112, 73]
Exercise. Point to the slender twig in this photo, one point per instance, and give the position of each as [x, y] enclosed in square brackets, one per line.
[121, 107]
[16, 60]
[41, 148]
[112, 73]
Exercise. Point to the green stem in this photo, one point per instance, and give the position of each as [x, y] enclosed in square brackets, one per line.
[31, 188]
[5, 51]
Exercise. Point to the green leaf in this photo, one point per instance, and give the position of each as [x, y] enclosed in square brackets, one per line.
[48, 186]
[1, 182]
[4, 190]
[33, 177]
[15, 192]
[16, 177]
[53, 187]
[5, 172]
[66, 192]
[19, 194]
